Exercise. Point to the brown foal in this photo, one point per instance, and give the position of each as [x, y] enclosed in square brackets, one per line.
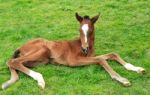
[70, 53]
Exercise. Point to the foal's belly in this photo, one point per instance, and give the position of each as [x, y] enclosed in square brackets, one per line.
[60, 61]
[35, 63]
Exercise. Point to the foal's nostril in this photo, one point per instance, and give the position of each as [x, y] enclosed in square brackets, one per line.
[85, 50]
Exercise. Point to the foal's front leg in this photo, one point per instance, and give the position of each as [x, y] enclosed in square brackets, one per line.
[128, 66]
[93, 60]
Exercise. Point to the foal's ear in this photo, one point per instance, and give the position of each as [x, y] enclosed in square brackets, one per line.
[95, 18]
[78, 17]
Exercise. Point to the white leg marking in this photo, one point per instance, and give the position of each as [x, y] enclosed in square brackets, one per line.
[131, 67]
[38, 77]
[124, 81]
[85, 29]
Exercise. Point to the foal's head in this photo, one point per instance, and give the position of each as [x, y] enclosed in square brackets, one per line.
[86, 30]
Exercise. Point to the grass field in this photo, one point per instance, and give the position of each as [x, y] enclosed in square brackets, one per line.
[124, 27]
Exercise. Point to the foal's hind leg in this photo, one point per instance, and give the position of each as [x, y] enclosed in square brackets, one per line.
[93, 60]
[13, 79]
[128, 66]
[38, 56]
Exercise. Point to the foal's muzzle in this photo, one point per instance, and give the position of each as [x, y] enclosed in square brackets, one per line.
[85, 50]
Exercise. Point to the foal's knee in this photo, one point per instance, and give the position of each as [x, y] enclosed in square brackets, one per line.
[9, 62]
[12, 63]
[114, 55]
[101, 59]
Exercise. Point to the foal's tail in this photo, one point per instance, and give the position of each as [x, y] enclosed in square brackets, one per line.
[14, 75]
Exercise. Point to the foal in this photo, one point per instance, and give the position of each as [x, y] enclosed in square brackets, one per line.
[70, 53]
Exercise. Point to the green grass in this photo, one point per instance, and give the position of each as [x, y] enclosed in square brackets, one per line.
[124, 27]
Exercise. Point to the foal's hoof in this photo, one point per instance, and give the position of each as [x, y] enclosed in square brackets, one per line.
[141, 70]
[126, 83]
[5, 85]
[41, 85]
